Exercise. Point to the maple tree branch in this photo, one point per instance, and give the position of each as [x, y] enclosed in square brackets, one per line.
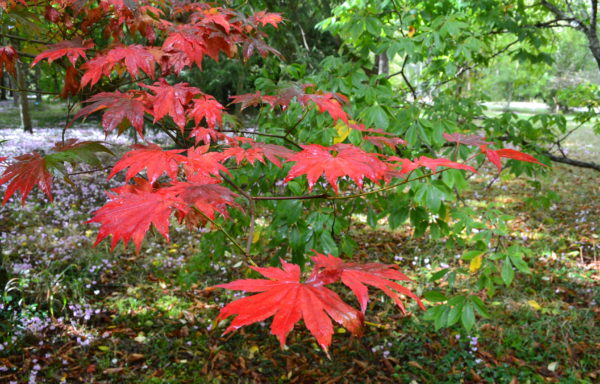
[300, 197]
[577, 163]
[287, 139]
[13, 37]
[27, 91]
[251, 207]
[293, 127]
[89, 171]
[401, 72]
[326, 196]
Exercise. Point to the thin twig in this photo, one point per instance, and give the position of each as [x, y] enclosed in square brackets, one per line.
[251, 207]
[291, 129]
[90, 171]
[285, 138]
[228, 236]
[27, 91]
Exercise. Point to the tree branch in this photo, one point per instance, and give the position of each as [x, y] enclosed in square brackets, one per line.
[13, 37]
[250, 206]
[577, 163]
[401, 72]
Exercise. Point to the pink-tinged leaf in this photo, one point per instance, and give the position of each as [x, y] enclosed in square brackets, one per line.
[465, 139]
[433, 164]
[252, 99]
[428, 162]
[381, 141]
[119, 106]
[357, 276]
[25, 173]
[8, 58]
[334, 162]
[258, 152]
[73, 49]
[289, 301]
[257, 44]
[171, 100]
[153, 159]
[207, 198]
[273, 152]
[329, 103]
[362, 128]
[128, 216]
[209, 109]
[206, 135]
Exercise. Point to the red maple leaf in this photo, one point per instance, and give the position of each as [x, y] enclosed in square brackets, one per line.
[288, 300]
[334, 162]
[128, 216]
[187, 40]
[381, 141]
[264, 18]
[209, 109]
[152, 158]
[201, 164]
[328, 102]
[73, 49]
[8, 57]
[356, 276]
[171, 100]
[72, 83]
[28, 171]
[258, 152]
[273, 152]
[252, 99]
[465, 139]
[494, 156]
[206, 135]
[362, 128]
[207, 198]
[433, 164]
[428, 162]
[118, 106]
[212, 16]
[133, 57]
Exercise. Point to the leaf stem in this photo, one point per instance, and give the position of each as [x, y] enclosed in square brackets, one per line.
[228, 236]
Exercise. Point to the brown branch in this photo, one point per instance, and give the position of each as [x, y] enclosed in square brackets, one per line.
[27, 91]
[401, 72]
[13, 37]
[285, 138]
[325, 196]
[577, 163]
[90, 171]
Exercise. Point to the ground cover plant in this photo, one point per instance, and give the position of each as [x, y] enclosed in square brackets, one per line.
[278, 174]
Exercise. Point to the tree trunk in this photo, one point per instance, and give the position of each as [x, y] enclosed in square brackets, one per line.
[2, 89]
[23, 101]
[383, 64]
[38, 88]
[13, 85]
